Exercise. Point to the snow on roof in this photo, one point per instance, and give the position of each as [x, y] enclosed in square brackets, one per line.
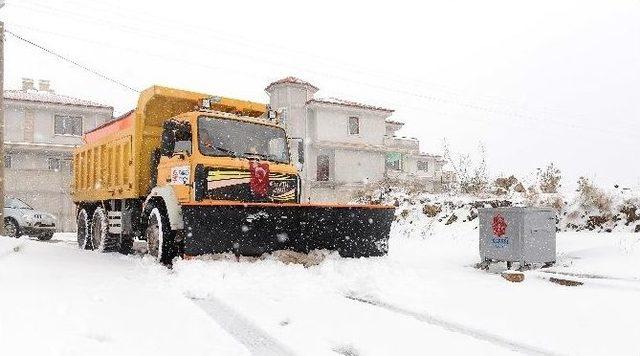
[49, 97]
[291, 80]
[342, 102]
[393, 122]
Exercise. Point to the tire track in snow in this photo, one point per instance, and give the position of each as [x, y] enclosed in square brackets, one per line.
[455, 327]
[246, 332]
[601, 282]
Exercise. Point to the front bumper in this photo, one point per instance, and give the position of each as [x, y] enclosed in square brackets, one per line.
[38, 229]
[257, 228]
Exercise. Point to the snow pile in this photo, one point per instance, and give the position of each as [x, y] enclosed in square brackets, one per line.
[56, 299]
[589, 209]
[424, 297]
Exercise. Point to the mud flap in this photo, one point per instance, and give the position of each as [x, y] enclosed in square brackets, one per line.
[254, 229]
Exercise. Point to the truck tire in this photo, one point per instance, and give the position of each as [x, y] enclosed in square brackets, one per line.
[160, 238]
[83, 229]
[11, 228]
[101, 240]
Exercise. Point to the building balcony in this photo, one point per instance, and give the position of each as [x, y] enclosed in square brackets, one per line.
[402, 143]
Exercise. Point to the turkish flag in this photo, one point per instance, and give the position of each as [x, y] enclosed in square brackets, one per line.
[259, 178]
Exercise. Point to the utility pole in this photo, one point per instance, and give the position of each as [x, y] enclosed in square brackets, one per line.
[2, 123]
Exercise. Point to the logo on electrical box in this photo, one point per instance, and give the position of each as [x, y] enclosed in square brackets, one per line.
[499, 227]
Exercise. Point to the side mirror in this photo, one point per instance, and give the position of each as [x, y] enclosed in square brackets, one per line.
[168, 143]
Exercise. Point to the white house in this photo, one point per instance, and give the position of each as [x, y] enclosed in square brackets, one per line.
[41, 130]
[343, 145]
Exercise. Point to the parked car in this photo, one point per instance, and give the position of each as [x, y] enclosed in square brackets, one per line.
[21, 219]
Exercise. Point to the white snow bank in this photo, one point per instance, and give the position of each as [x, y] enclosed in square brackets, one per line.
[58, 300]
[423, 298]
[433, 278]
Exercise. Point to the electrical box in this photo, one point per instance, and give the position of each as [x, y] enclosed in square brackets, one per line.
[518, 234]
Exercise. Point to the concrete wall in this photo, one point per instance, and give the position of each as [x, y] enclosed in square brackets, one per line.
[333, 125]
[29, 178]
[22, 117]
[352, 166]
[411, 166]
[14, 123]
[293, 99]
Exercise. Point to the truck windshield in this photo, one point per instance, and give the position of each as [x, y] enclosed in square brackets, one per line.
[228, 137]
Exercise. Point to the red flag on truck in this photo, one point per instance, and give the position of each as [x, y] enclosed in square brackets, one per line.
[259, 178]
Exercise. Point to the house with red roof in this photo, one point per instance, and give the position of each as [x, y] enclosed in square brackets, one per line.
[341, 145]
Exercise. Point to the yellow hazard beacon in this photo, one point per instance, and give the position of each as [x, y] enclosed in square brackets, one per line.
[194, 174]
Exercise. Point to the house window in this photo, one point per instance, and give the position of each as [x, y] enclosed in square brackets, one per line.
[394, 161]
[7, 161]
[354, 125]
[423, 166]
[68, 125]
[323, 168]
[54, 164]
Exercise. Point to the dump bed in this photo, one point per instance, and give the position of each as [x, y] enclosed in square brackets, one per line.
[115, 160]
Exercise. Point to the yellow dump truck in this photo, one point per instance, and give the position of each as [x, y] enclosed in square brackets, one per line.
[192, 174]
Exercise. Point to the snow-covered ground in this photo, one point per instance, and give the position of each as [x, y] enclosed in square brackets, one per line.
[425, 297]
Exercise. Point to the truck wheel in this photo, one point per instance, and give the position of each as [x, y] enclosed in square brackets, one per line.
[11, 228]
[84, 229]
[160, 238]
[101, 240]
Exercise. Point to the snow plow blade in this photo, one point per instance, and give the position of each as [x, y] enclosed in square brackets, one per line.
[252, 229]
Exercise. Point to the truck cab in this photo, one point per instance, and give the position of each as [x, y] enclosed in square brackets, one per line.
[212, 155]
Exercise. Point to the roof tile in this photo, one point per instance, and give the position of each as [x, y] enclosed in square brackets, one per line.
[291, 80]
[49, 97]
[343, 102]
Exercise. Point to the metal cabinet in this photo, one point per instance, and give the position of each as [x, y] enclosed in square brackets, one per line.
[517, 234]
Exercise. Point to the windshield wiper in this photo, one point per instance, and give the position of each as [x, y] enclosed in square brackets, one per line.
[265, 156]
[262, 155]
[222, 149]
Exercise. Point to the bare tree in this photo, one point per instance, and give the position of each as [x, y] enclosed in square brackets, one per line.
[549, 178]
[471, 178]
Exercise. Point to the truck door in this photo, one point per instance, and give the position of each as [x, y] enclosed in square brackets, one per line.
[174, 167]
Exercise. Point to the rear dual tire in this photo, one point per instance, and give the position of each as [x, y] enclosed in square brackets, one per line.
[93, 234]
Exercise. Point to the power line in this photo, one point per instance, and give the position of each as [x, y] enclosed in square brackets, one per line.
[451, 98]
[457, 99]
[447, 101]
[59, 56]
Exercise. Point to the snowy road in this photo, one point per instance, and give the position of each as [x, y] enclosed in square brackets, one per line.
[423, 298]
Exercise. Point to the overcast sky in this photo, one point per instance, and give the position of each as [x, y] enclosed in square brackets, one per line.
[533, 82]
